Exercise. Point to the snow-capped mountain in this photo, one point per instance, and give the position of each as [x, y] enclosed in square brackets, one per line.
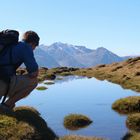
[67, 48]
[62, 54]
[44, 59]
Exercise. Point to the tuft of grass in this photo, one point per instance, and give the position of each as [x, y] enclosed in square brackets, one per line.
[75, 137]
[76, 121]
[127, 105]
[24, 123]
[132, 135]
[116, 68]
[47, 76]
[49, 83]
[59, 78]
[133, 122]
[41, 88]
[50, 76]
[11, 128]
[26, 108]
[66, 73]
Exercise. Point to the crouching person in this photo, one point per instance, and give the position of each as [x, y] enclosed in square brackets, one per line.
[19, 86]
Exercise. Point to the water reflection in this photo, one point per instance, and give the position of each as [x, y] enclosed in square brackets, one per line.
[61, 79]
[90, 97]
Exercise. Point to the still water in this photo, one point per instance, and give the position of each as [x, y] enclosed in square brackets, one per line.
[89, 97]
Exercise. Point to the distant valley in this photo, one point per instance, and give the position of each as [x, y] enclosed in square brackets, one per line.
[61, 55]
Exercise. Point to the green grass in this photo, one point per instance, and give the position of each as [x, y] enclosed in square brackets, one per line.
[76, 121]
[49, 83]
[127, 105]
[41, 88]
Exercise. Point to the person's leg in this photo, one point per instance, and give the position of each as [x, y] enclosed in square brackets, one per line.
[21, 93]
[3, 88]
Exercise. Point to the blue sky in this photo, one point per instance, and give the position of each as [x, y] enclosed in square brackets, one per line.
[113, 24]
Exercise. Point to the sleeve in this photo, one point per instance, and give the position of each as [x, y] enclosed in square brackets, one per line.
[29, 60]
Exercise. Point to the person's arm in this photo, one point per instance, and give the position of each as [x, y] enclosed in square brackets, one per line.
[30, 62]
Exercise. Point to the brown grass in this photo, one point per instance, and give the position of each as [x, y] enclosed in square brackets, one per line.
[124, 73]
[133, 122]
[127, 105]
[74, 137]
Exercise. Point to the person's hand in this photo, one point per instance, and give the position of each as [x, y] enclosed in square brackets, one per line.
[33, 75]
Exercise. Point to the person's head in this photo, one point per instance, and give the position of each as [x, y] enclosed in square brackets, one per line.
[31, 38]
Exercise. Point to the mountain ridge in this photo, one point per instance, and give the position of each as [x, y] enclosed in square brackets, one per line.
[63, 54]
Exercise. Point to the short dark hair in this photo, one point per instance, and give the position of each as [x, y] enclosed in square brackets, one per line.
[31, 37]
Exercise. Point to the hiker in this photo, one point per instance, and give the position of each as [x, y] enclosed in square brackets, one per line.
[20, 86]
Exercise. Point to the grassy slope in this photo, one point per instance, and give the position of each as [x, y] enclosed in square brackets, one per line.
[126, 73]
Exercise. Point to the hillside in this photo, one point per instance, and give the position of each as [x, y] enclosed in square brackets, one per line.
[126, 73]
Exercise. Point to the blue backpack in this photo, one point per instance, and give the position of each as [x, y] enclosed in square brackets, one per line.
[8, 38]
